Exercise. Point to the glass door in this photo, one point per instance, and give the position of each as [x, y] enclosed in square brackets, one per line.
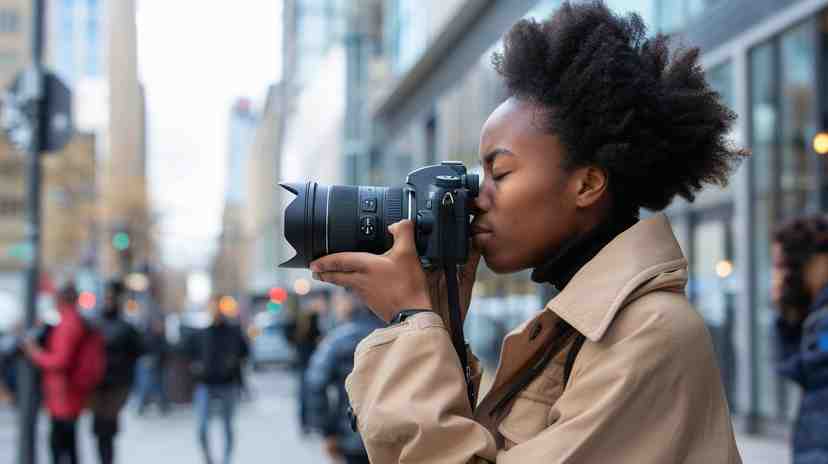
[711, 274]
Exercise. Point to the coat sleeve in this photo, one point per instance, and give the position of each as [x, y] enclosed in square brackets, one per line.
[789, 357]
[63, 348]
[408, 394]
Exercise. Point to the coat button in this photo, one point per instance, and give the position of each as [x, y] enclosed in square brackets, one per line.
[536, 330]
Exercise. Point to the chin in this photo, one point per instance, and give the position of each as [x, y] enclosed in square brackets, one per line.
[501, 266]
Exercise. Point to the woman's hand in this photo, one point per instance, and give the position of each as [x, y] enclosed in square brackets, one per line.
[387, 283]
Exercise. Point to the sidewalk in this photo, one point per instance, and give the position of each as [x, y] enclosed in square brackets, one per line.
[266, 431]
[760, 450]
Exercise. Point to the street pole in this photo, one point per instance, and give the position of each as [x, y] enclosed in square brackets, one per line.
[27, 384]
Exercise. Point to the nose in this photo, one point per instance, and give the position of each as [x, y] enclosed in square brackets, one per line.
[483, 202]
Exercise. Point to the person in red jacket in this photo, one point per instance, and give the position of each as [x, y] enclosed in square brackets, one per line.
[63, 400]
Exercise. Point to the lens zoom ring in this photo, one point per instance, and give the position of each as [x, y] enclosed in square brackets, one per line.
[393, 206]
[343, 219]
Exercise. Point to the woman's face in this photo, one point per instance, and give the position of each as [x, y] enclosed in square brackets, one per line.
[526, 206]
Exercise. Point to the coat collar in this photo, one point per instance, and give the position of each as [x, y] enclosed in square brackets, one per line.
[644, 258]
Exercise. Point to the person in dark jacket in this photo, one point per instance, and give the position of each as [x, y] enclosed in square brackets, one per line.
[304, 333]
[154, 366]
[64, 400]
[123, 348]
[329, 366]
[217, 353]
[800, 292]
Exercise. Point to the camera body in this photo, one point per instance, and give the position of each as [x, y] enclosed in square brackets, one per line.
[329, 219]
[443, 196]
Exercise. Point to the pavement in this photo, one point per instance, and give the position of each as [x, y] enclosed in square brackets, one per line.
[266, 432]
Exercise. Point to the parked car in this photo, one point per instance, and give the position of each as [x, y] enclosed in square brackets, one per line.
[269, 345]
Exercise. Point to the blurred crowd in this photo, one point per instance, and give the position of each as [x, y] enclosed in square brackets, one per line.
[102, 361]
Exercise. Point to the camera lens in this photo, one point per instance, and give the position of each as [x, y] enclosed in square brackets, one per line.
[330, 219]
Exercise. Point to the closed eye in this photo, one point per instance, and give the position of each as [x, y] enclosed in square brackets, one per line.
[499, 176]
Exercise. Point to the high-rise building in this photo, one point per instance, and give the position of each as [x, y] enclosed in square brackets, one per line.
[77, 29]
[125, 203]
[15, 51]
[262, 223]
[242, 129]
[230, 262]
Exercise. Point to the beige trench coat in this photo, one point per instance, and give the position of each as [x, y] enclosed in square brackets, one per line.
[644, 388]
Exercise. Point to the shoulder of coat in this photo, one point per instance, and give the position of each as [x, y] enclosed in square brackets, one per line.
[664, 315]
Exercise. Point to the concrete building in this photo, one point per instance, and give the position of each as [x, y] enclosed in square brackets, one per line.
[15, 51]
[262, 220]
[230, 263]
[70, 206]
[125, 204]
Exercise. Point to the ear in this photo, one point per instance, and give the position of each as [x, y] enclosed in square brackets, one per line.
[591, 183]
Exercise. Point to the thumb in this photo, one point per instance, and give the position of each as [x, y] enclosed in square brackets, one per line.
[403, 234]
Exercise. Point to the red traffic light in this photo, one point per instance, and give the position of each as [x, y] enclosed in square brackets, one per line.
[278, 295]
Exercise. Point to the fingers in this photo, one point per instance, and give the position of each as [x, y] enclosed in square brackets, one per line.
[342, 262]
[403, 233]
[350, 280]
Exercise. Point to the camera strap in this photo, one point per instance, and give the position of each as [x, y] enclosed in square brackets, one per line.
[447, 238]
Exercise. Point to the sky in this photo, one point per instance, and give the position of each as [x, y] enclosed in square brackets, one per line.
[195, 58]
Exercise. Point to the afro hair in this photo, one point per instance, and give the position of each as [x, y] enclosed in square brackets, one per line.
[620, 101]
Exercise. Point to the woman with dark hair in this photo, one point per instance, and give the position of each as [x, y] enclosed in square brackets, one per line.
[800, 293]
[618, 367]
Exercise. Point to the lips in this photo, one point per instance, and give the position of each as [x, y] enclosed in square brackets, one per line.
[477, 229]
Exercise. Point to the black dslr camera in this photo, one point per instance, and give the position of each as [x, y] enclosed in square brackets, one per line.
[322, 220]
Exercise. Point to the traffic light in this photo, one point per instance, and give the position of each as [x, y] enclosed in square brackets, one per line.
[277, 298]
[120, 241]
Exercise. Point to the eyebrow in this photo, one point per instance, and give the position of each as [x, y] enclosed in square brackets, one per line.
[492, 155]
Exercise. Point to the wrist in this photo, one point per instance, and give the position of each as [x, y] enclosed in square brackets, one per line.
[404, 314]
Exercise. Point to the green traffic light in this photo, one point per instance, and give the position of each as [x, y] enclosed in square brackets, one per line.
[120, 241]
[274, 307]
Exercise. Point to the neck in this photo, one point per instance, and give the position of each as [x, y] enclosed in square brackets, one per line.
[563, 265]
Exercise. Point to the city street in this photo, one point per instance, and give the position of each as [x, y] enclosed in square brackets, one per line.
[266, 432]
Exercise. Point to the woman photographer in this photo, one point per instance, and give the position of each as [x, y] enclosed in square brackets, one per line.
[601, 122]
[800, 293]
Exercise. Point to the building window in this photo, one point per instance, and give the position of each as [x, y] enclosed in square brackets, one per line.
[93, 38]
[11, 206]
[9, 21]
[783, 120]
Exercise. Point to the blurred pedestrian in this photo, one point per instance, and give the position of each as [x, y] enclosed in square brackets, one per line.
[329, 366]
[123, 348]
[800, 293]
[304, 332]
[217, 353]
[62, 364]
[10, 353]
[153, 366]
